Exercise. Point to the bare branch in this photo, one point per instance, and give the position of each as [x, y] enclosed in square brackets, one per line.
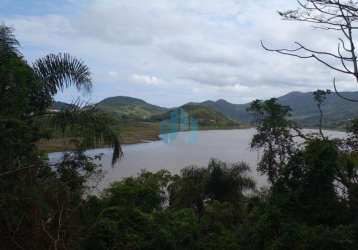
[344, 45]
[342, 60]
[340, 95]
[326, 28]
[330, 66]
[322, 53]
[290, 52]
[330, 15]
[285, 51]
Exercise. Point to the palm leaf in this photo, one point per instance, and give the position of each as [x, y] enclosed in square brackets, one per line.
[8, 43]
[60, 71]
[89, 126]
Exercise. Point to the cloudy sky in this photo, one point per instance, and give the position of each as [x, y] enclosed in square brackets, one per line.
[169, 52]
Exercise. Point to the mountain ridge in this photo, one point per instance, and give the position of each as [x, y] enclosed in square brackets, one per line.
[337, 112]
[129, 108]
[205, 116]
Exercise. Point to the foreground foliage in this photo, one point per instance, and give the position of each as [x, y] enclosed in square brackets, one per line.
[39, 201]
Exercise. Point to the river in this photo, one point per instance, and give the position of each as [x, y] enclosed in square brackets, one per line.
[184, 149]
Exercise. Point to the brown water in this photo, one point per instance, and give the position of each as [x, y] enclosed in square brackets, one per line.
[225, 145]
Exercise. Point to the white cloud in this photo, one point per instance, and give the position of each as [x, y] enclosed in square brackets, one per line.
[201, 52]
[202, 48]
[145, 79]
[113, 74]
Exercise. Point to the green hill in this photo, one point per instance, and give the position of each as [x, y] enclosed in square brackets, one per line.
[128, 108]
[230, 110]
[206, 117]
[60, 105]
[221, 113]
[337, 112]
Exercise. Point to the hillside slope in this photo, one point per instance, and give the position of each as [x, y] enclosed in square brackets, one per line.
[337, 112]
[129, 108]
[233, 111]
[60, 105]
[205, 116]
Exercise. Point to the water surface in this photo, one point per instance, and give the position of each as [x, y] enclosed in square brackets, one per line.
[226, 145]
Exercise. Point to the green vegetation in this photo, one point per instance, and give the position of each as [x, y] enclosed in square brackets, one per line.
[128, 108]
[132, 109]
[236, 112]
[222, 114]
[60, 105]
[206, 117]
[38, 199]
[337, 112]
[310, 204]
[198, 209]
[129, 132]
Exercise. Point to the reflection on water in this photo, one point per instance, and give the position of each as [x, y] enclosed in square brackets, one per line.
[225, 145]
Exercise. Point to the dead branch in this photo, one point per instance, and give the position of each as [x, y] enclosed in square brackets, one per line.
[331, 15]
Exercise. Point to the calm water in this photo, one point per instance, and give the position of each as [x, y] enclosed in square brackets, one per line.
[225, 145]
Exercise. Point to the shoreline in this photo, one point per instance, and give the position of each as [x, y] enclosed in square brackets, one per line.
[60, 145]
[138, 133]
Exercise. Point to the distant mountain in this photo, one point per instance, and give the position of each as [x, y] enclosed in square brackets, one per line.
[233, 111]
[129, 108]
[337, 112]
[206, 116]
[60, 105]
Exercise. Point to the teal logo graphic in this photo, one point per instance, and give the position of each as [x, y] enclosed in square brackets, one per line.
[179, 121]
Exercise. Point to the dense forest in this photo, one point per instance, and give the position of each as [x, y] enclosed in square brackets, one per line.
[311, 201]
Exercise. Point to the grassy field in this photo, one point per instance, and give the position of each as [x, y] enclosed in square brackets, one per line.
[129, 133]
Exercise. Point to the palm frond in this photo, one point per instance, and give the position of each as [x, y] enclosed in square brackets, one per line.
[90, 127]
[60, 71]
[8, 43]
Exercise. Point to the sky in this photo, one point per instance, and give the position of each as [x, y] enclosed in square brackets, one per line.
[170, 52]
